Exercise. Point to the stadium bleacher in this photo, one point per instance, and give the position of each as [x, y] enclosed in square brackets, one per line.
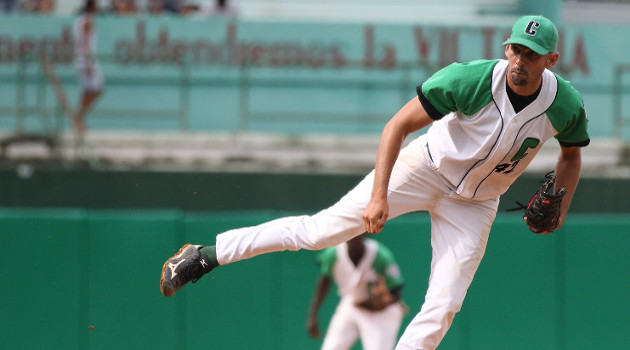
[399, 11]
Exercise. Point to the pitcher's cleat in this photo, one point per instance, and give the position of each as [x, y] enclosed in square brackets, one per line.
[189, 264]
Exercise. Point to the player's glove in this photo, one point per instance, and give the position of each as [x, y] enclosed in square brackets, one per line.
[543, 211]
[379, 297]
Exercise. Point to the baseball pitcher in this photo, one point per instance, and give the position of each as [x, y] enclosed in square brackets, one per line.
[486, 121]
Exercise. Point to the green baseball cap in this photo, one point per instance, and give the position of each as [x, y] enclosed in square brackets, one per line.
[536, 32]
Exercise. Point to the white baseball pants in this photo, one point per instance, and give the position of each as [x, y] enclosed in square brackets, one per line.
[377, 330]
[459, 234]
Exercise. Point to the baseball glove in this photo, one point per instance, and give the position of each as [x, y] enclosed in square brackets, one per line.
[379, 296]
[543, 211]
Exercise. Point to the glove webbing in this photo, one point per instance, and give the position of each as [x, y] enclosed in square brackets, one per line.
[550, 179]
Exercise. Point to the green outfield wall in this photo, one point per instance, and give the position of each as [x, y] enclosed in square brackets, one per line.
[88, 279]
[39, 186]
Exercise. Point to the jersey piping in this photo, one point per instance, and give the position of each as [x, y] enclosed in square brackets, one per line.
[353, 281]
[490, 144]
[496, 97]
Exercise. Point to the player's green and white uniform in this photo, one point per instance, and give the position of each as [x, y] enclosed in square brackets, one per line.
[353, 281]
[490, 144]
[456, 172]
[377, 330]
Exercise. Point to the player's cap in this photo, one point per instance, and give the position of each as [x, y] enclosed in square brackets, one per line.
[536, 32]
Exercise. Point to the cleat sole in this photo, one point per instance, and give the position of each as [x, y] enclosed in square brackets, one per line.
[168, 290]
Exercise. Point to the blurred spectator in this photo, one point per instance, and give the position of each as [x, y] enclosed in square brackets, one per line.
[8, 5]
[223, 8]
[124, 7]
[38, 6]
[155, 6]
[171, 6]
[86, 62]
[188, 9]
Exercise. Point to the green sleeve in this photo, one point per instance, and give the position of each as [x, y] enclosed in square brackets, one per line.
[326, 261]
[568, 116]
[464, 87]
[386, 266]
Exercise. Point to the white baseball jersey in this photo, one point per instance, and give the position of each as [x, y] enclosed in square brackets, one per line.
[355, 281]
[490, 144]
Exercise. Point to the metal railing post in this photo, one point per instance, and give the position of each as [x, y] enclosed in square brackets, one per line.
[617, 102]
[184, 95]
[20, 95]
[244, 98]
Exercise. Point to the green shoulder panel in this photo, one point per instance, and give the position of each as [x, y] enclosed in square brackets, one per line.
[568, 116]
[464, 87]
[326, 260]
[385, 265]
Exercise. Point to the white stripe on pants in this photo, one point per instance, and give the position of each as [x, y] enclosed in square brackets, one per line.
[459, 234]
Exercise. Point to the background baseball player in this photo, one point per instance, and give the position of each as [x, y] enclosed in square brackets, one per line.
[86, 63]
[488, 120]
[369, 284]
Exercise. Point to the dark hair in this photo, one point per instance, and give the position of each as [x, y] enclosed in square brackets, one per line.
[90, 5]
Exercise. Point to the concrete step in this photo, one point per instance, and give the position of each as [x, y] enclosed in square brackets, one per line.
[187, 151]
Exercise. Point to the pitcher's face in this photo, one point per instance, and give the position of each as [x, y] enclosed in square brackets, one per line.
[526, 67]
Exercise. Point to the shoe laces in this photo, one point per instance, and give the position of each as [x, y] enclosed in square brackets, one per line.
[193, 273]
